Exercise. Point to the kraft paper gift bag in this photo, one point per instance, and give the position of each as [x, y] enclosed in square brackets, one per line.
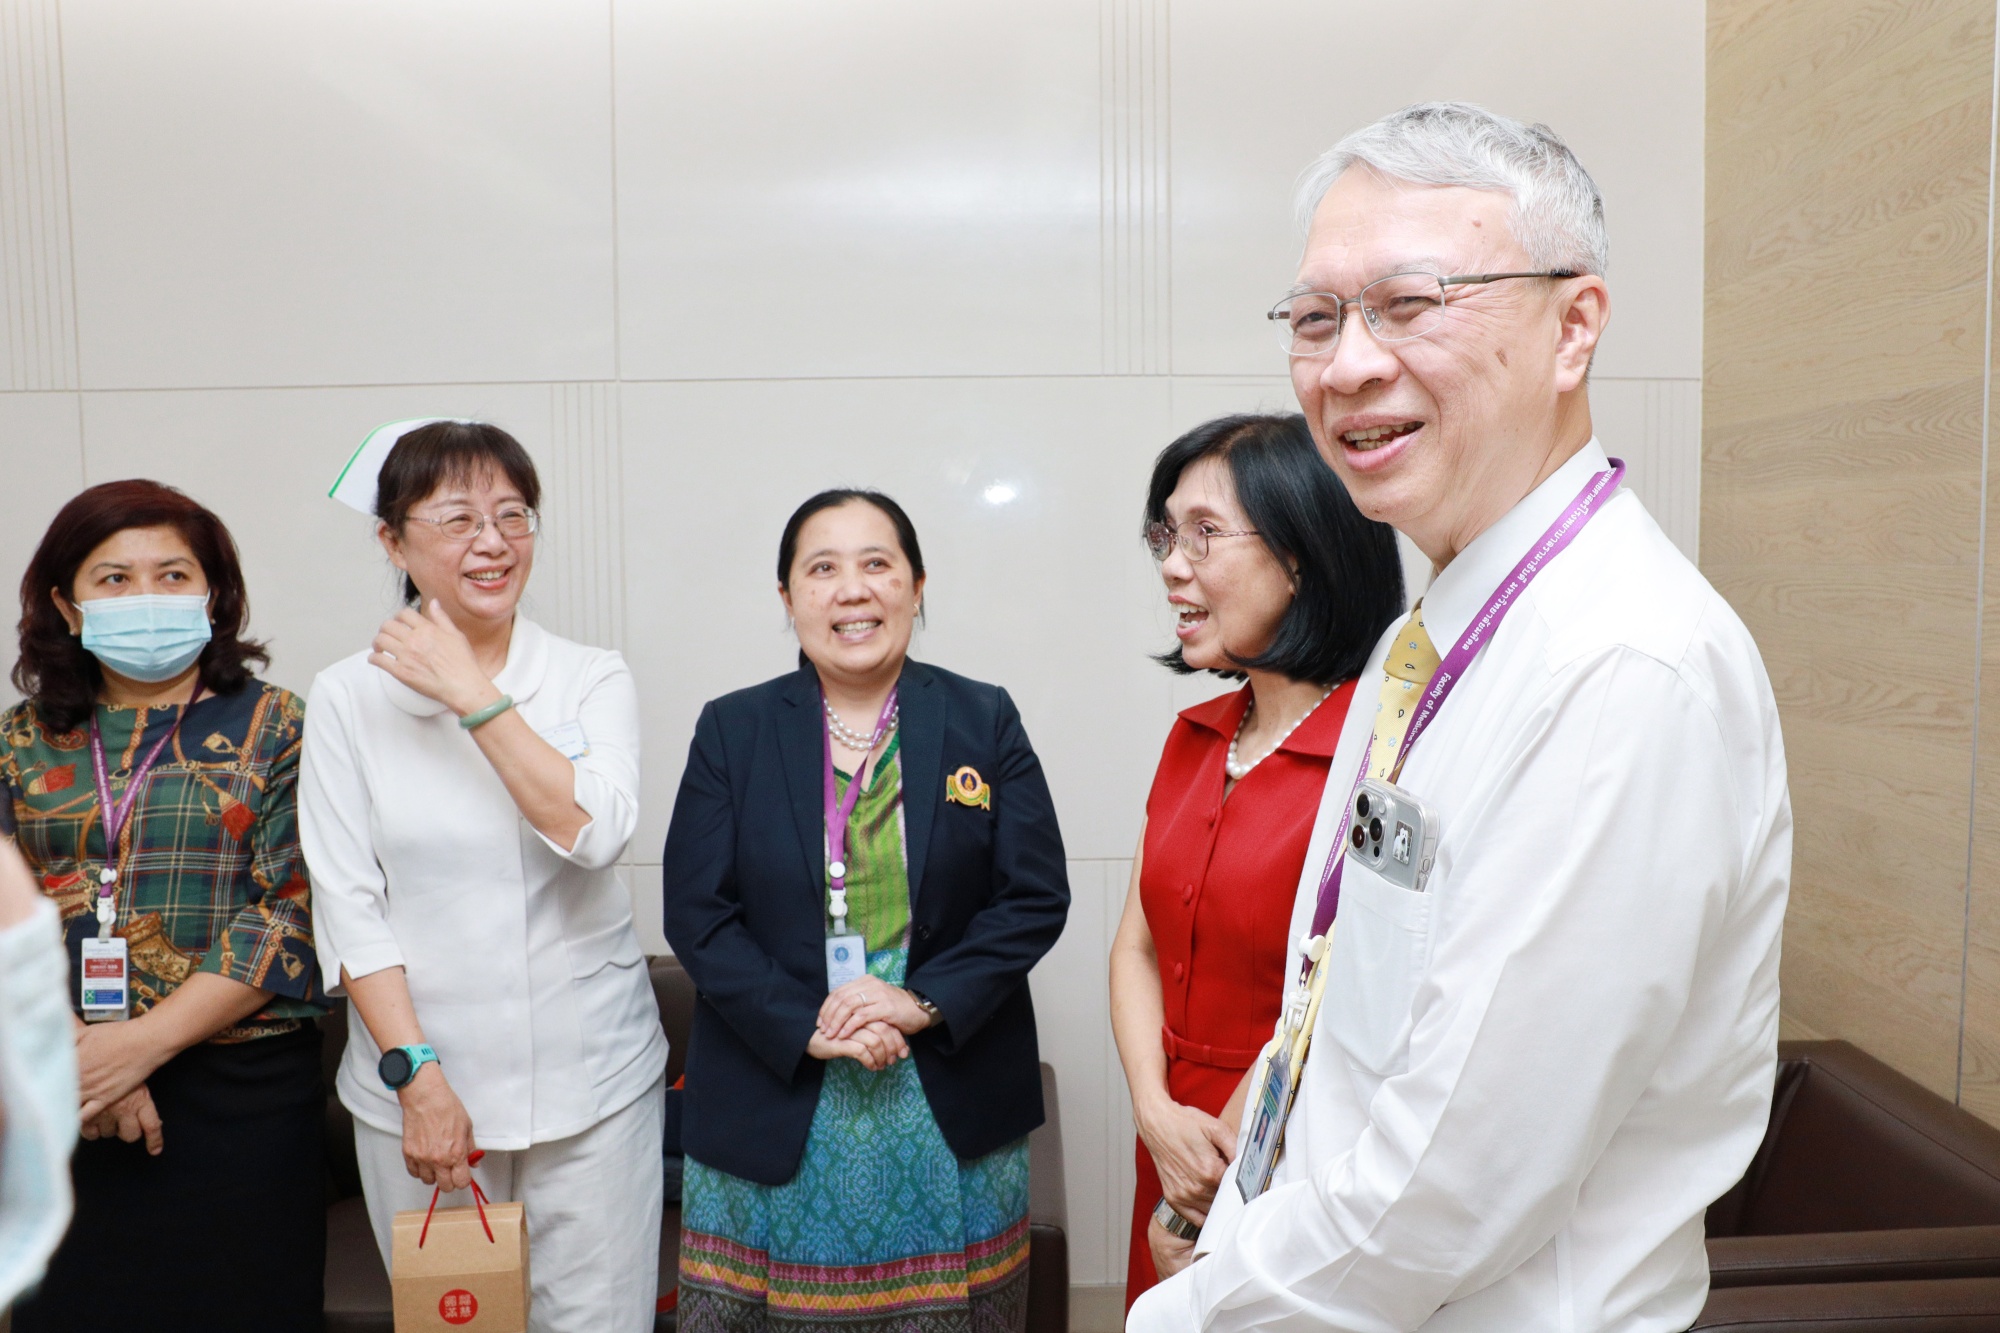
[461, 1270]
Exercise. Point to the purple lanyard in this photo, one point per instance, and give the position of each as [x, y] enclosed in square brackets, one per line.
[839, 810]
[115, 814]
[1452, 669]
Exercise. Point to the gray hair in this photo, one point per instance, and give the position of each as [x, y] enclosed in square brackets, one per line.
[1558, 213]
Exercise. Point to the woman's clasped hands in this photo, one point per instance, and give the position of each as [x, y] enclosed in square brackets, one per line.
[113, 1062]
[867, 1020]
[1191, 1150]
[113, 1087]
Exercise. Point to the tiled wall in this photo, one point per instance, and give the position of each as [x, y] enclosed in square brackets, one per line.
[705, 259]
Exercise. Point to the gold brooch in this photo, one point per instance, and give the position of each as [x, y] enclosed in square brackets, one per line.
[968, 788]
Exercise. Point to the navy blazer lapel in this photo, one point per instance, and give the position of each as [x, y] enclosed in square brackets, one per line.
[801, 742]
[923, 709]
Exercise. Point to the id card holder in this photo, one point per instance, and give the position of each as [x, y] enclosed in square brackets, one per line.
[846, 960]
[107, 988]
[1279, 1087]
[1267, 1125]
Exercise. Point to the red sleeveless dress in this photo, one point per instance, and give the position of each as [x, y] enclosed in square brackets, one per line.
[1217, 886]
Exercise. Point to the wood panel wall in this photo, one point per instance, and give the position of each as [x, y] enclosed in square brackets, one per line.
[1845, 384]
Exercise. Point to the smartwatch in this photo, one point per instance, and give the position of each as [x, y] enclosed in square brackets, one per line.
[400, 1064]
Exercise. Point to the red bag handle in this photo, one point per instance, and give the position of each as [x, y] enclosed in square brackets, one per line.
[479, 1201]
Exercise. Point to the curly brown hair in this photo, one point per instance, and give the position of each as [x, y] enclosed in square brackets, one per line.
[54, 670]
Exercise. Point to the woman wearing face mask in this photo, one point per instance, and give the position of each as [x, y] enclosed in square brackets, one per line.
[469, 784]
[1273, 576]
[150, 782]
[862, 867]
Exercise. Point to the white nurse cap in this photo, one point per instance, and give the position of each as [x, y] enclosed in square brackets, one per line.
[355, 486]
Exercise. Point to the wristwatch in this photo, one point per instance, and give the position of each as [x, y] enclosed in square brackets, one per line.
[399, 1064]
[931, 1011]
[1172, 1222]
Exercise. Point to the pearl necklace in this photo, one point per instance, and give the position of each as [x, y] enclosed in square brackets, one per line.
[854, 740]
[1238, 770]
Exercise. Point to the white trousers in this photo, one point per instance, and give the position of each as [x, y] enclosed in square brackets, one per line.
[593, 1210]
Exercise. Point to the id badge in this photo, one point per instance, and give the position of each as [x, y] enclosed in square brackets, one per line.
[1267, 1125]
[846, 960]
[107, 991]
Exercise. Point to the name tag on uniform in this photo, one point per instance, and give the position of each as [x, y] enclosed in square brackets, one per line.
[846, 960]
[106, 984]
[568, 737]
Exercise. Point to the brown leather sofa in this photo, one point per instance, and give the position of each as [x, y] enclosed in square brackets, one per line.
[1873, 1204]
[357, 1288]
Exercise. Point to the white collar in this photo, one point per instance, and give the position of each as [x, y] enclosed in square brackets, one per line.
[527, 663]
[1461, 590]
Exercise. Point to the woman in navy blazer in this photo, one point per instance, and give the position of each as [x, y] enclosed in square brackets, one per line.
[827, 1173]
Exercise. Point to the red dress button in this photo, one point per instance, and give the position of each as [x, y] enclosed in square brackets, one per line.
[1180, 971]
[1187, 894]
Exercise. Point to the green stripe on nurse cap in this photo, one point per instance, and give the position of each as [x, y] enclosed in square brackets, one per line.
[355, 486]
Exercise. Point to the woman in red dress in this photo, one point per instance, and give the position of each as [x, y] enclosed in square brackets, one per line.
[1278, 579]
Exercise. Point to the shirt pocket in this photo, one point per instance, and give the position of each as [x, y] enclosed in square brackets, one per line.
[1381, 945]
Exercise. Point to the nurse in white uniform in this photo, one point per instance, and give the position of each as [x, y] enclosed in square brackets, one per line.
[467, 786]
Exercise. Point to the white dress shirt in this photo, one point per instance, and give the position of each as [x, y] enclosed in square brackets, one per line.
[1527, 1083]
[522, 961]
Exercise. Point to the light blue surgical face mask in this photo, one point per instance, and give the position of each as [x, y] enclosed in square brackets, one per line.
[150, 637]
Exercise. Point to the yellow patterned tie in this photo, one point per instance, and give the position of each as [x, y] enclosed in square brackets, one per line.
[1411, 663]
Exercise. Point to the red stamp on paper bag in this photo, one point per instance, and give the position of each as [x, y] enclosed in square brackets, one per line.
[458, 1306]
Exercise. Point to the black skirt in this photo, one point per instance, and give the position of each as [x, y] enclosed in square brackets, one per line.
[226, 1229]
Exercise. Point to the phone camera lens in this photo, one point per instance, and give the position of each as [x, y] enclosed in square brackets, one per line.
[1375, 830]
[1361, 805]
[1359, 837]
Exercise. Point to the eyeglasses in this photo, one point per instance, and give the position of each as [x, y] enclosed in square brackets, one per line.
[462, 525]
[1398, 308]
[1161, 538]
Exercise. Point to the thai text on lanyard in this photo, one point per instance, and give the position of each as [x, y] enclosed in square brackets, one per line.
[840, 809]
[1451, 670]
[117, 813]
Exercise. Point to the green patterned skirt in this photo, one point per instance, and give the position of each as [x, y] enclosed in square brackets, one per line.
[883, 1228]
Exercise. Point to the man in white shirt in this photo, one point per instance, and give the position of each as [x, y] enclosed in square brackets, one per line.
[1527, 1081]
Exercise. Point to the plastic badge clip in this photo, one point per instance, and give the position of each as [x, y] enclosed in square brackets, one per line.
[479, 1200]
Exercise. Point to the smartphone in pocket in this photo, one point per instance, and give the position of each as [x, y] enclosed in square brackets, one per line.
[1392, 833]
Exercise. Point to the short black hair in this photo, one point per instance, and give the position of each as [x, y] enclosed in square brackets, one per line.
[906, 532]
[443, 452]
[1350, 578]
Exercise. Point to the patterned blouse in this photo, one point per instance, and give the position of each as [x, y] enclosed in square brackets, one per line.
[210, 877]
